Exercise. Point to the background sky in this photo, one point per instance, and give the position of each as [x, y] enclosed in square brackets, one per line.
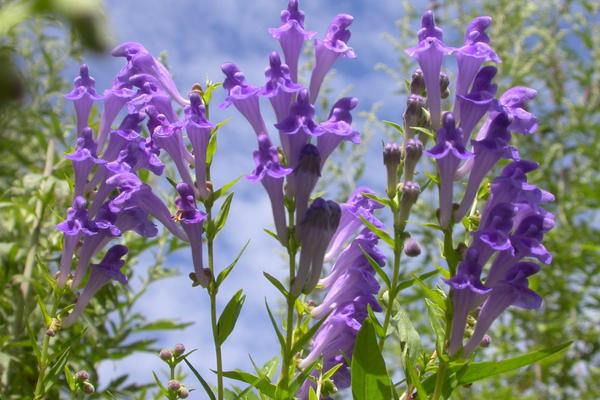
[199, 36]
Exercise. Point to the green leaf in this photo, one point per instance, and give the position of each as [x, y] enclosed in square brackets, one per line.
[42, 306]
[162, 325]
[312, 395]
[274, 323]
[437, 318]
[229, 316]
[271, 233]
[275, 282]
[223, 274]
[70, 379]
[433, 226]
[370, 380]
[163, 389]
[394, 125]
[426, 131]
[212, 143]
[204, 384]
[378, 328]
[377, 199]
[223, 213]
[262, 384]
[413, 376]
[58, 365]
[410, 340]
[409, 282]
[381, 234]
[221, 191]
[377, 268]
[299, 344]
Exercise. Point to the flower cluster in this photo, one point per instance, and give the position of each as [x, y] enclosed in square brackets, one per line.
[110, 197]
[351, 288]
[512, 223]
[290, 174]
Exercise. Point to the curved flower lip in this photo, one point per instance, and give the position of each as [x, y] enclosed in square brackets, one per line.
[278, 78]
[426, 45]
[194, 114]
[84, 84]
[267, 162]
[301, 117]
[86, 148]
[449, 139]
[235, 84]
[517, 96]
[187, 212]
[478, 50]
[291, 22]
[337, 36]
[467, 282]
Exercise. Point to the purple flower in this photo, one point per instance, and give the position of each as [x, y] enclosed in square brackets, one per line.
[466, 286]
[513, 103]
[192, 221]
[474, 105]
[512, 290]
[243, 96]
[304, 178]
[150, 94]
[83, 96]
[279, 86]
[134, 193]
[473, 54]
[429, 53]
[356, 207]
[291, 36]
[492, 235]
[74, 227]
[448, 152]
[83, 158]
[270, 173]
[296, 128]
[316, 230]
[168, 136]
[327, 51]
[108, 269]
[114, 100]
[140, 61]
[338, 127]
[487, 152]
[141, 155]
[135, 219]
[198, 130]
[128, 132]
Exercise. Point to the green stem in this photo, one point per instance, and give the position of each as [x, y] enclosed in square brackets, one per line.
[439, 380]
[43, 364]
[291, 301]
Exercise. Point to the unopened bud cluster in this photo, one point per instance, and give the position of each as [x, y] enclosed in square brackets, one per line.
[173, 357]
[82, 382]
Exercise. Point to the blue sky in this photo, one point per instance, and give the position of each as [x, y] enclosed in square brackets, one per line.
[199, 36]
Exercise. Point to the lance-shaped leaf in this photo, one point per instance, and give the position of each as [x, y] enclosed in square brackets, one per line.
[229, 316]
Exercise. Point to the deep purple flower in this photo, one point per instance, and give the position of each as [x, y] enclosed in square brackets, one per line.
[128, 132]
[338, 127]
[168, 136]
[304, 178]
[513, 103]
[243, 96]
[74, 227]
[327, 51]
[474, 105]
[134, 193]
[198, 130]
[140, 61]
[492, 235]
[473, 54]
[141, 155]
[356, 207]
[487, 152]
[135, 219]
[296, 128]
[279, 86]
[512, 290]
[83, 96]
[108, 269]
[150, 94]
[429, 53]
[316, 230]
[192, 221]
[83, 158]
[291, 36]
[466, 286]
[270, 173]
[448, 152]
[114, 100]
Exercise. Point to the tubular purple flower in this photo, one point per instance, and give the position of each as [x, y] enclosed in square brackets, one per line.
[150, 94]
[192, 221]
[108, 269]
[141, 155]
[466, 287]
[279, 86]
[304, 178]
[128, 132]
[115, 99]
[74, 227]
[135, 219]
[474, 105]
[270, 173]
[243, 96]
[140, 61]
[512, 290]
[338, 127]
[291, 36]
[429, 53]
[448, 152]
[472, 55]
[168, 136]
[134, 193]
[327, 51]
[83, 96]
[317, 228]
[83, 158]
[513, 103]
[356, 207]
[198, 130]
[296, 128]
[106, 230]
[492, 235]
[487, 152]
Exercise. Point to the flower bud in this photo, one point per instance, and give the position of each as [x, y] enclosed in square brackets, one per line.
[183, 393]
[444, 83]
[486, 341]
[412, 153]
[415, 115]
[173, 385]
[410, 194]
[82, 376]
[417, 84]
[411, 248]
[165, 354]
[87, 388]
[391, 159]
[179, 349]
